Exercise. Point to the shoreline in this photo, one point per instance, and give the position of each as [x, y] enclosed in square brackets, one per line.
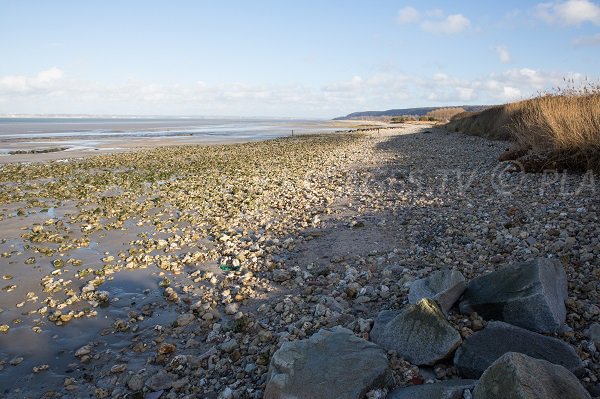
[184, 268]
[43, 149]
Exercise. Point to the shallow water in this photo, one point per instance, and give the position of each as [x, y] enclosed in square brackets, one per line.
[47, 139]
[89, 131]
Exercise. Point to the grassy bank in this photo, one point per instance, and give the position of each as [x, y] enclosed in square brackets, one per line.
[550, 131]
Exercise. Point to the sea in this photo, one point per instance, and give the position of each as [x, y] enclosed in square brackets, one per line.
[38, 134]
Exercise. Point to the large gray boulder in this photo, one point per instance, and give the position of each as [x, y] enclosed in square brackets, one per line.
[518, 376]
[483, 348]
[333, 363]
[451, 389]
[530, 295]
[419, 333]
[444, 286]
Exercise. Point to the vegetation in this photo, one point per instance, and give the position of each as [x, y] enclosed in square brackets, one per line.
[558, 130]
[445, 114]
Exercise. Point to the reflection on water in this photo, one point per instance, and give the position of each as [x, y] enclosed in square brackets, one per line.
[85, 129]
[26, 139]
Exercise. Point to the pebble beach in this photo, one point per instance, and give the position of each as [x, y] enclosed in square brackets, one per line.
[177, 272]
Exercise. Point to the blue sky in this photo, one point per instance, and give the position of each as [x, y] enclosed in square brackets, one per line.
[283, 58]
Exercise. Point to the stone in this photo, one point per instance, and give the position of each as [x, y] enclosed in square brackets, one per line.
[226, 394]
[229, 346]
[84, 350]
[530, 295]
[483, 348]
[451, 389]
[593, 333]
[136, 382]
[518, 376]
[281, 275]
[161, 380]
[419, 333]
[185, 319]
[333, 363]
[444, 286]
[231, 308]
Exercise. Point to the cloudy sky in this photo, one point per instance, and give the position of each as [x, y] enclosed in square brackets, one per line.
[283, 58]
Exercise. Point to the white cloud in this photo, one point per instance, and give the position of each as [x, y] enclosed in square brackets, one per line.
[503, 54]
[21, 84]
[569, 13]
[511, 93]
[587, 41]
[454, 23]
[408, 15]
[52, 91]
[49, 75]
[435, 13]
[436, 20]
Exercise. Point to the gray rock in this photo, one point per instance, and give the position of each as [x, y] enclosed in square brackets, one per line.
[483, 348]
[593, 333]
[518, 376]
[333, 363]
[419, 333]
[136, 382]
[185, 319]
[530, 295]
[281, 275]
[161, 380]
[444, 286]
[229, 346]
[451, 389]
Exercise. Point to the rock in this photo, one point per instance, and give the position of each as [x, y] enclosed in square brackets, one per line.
[15, 361]
[444, 286]
[226, 394]
[84, 350]
[185, 319]
[593, 333]
[482, 349]
[281, 275]
[518, 376]
[165, 348]
[229, 346]
[160, 380]
[118, 368]
[333, 363]
[419, 333]
[451, 389]
[530, 295]
[180, 383]
[231, 308]
[136, 382]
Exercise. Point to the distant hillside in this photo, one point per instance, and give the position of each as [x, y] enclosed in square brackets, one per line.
[422, 111]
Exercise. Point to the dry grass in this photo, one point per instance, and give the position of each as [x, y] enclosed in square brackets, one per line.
[445, 114]
[491, 123]
[558, 130]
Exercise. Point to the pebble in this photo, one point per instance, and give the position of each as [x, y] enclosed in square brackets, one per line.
[136, 382]
[229, 346]
[304, 192]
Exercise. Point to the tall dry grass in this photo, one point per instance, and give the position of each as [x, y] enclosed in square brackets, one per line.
[559, 122]
[557, 130]
[445, 114]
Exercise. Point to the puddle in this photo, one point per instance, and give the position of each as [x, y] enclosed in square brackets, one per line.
[56, 345]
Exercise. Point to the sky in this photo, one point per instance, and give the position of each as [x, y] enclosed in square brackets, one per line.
[314, 59]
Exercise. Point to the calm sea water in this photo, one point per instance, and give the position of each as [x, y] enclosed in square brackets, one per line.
[95, 128]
